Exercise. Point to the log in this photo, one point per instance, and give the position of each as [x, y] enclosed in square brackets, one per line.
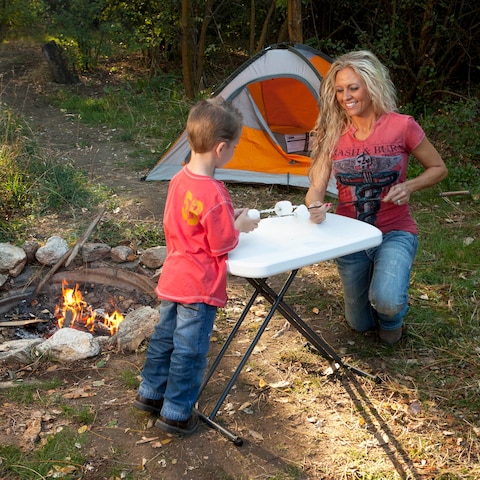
[53, 53]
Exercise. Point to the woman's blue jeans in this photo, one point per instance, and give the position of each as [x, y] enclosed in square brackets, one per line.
[176, 357]
[376, 281]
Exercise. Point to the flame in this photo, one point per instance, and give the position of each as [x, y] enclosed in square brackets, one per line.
[76, 313]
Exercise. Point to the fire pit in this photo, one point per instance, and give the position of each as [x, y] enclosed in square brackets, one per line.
[93, 300]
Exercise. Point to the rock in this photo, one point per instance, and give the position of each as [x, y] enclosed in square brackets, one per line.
[12, 259]
[30, 248]
[154, 257]
[19, 350]
[92, 252]
[136, 327]
[68, 345]
[122, 254]
[52, 251]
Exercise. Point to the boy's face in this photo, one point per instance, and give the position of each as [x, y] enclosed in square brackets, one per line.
[226, 153]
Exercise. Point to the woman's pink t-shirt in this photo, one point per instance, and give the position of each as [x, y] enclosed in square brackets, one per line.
[365, 170]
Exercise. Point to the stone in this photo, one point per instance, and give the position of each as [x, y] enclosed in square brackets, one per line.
[12, 259]
[30, 248]
[136, 327]
[19, 350]
[122, 254]
[91, 252]
[55, 248]
[153, 257]
[69, 345]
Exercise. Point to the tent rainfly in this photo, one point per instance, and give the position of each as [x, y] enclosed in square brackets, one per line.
[277, 92]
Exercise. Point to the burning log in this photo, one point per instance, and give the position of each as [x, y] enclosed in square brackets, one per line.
[76, 313]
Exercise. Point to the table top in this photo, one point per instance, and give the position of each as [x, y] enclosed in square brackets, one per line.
[283, 244]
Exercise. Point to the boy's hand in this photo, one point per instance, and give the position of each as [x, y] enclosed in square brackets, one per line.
[243, 222]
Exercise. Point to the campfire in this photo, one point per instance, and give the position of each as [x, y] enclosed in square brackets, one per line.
[75, 312]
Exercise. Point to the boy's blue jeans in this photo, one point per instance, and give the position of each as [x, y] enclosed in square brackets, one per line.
[376, 281]
[176, 357]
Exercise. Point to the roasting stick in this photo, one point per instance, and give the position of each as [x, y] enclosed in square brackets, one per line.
[69, 255]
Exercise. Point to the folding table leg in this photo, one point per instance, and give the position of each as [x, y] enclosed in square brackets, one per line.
[209, 420]
[293, 318]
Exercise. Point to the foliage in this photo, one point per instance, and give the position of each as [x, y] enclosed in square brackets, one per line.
[451, 127]
[19, 16]
[33, 182]
[431, 47]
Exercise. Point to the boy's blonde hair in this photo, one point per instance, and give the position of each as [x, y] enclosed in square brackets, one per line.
[212, 121]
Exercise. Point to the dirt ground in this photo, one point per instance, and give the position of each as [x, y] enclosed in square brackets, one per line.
[295, 419]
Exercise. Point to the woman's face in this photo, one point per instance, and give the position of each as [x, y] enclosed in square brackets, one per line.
[351, 93]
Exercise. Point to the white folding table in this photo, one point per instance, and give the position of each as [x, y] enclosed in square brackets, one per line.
[284, 245]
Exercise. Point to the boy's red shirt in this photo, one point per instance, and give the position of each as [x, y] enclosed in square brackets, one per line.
[199, 233]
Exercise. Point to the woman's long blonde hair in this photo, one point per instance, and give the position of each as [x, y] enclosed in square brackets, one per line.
[333, 121]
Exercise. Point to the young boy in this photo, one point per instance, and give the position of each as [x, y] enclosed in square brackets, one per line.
[201, 227]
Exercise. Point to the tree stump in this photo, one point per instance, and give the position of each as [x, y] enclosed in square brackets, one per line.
[58, 66]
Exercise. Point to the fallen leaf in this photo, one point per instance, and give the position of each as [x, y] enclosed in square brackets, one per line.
[256, 435]
[414, 408]
[245, 405]
[280, 384]
[145, 440]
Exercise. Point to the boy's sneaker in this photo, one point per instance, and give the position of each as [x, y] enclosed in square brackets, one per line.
[180, 427]
[148, 405]
[390, 337]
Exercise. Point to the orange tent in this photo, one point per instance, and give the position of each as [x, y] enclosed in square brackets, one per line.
[277, 92]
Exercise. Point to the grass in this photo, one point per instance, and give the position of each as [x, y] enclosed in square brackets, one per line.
[60, 455]
[148, 114]
[58, 451]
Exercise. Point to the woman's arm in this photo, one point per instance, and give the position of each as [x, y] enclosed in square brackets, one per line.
[315, 197]
[435, 171]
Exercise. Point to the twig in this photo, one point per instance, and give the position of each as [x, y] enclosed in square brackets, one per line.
[21, 323]
[87, 233]
[453, 194]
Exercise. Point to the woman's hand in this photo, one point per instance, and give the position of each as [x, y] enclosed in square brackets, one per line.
[318, 211]
[399, 194]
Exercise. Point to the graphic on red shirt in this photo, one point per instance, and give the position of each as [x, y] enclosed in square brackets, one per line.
[191, 209]
[366, 169]
[369, 177]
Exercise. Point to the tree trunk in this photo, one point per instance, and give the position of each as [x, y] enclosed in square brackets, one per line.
[263, 35]
[295, 31]
[252, 27]
[201, 44]
[187, 50]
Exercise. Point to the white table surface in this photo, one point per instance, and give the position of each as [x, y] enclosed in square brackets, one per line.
[283, 244]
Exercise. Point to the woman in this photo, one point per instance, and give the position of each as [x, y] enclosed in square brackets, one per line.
[365, 143]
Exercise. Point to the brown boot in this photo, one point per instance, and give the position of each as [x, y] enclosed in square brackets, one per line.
[390, 337]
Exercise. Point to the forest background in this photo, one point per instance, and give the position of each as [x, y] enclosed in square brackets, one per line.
[432, 47]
